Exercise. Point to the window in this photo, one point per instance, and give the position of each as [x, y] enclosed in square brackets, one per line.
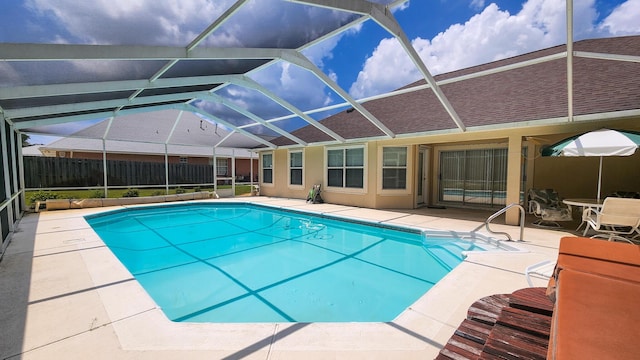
[222, 167]
[184, 160]
[345, 167]
[295, 168]
[267, 168]
[394, 168]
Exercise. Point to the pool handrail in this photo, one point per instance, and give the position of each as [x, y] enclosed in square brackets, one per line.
[500, 212]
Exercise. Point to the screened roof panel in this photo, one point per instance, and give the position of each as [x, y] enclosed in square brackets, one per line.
[93, 114]
[159, 104]
[291, 25]
[186, 68]
[177, 90]
[253, 68]
[215, 60]
[44, 72]
[30, 102]
[253, 101]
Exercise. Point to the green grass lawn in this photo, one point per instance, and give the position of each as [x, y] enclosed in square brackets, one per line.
[32, 196]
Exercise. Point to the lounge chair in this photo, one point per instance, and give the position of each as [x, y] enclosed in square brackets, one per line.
[314, 195]
[542, 270]
[625, 194]
[596, 287]
[618, 219]
[546, 205]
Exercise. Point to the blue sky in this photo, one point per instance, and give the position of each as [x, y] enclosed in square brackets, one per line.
[448, 35]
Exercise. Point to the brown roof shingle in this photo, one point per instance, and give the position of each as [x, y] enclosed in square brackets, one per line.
[533, 92]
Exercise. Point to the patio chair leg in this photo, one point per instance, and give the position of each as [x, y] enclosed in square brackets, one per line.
[546, 224]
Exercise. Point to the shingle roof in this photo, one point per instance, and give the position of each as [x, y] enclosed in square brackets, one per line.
[141, 148]
[146, 133]
[537, 91]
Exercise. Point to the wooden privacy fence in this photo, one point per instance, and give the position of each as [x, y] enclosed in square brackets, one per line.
[46, 172]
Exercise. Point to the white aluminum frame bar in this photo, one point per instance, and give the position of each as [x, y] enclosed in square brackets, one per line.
[5, 168]
[383, 16]
[569, 15]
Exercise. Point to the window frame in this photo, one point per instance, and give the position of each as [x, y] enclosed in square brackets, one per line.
[290, 168]
[262, 168]
[408, 176]
[344, 167]
[226, 167]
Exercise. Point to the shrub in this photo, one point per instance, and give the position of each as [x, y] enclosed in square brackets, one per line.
[42, 195]
[180, 191]
[97, 194]
[197, 189]
[157, 193]
[131, 193]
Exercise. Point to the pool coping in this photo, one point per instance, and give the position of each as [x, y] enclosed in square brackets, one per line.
[136, 324]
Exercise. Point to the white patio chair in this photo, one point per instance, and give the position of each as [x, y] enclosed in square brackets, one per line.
[618, 219]
[541, 270]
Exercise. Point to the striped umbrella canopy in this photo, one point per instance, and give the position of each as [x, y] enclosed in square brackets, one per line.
[603, 142]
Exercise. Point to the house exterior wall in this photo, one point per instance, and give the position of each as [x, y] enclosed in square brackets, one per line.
[243, 168]
[371, 196]
[571, 177]
[577, 177]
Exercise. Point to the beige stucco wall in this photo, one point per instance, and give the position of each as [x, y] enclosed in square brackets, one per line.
[371, 196]
[578, 177]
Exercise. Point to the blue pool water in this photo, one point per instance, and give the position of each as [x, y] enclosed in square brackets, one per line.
[249, 263]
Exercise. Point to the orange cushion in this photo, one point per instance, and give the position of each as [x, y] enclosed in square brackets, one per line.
[615, 259]
[597, 291]
[595, 317]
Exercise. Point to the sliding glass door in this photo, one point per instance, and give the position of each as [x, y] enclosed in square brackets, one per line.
[473, 177]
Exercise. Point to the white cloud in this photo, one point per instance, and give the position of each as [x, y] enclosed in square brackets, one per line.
[297, 86]
[477, 4]
[168, 22]
[387, 64]
[401, 7]
[623, 20]
[178, 22]
[490, 35]
[8, 75]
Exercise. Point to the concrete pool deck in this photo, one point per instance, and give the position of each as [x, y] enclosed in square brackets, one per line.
[65, 295]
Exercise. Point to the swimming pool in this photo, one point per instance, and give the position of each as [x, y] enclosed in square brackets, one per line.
[224, 262]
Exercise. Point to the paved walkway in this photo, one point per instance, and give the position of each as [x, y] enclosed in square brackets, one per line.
[64, 295]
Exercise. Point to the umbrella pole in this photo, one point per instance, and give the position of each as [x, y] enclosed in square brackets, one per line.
[599, 178]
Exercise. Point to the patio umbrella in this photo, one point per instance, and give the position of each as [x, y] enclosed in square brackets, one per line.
[603, 142]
